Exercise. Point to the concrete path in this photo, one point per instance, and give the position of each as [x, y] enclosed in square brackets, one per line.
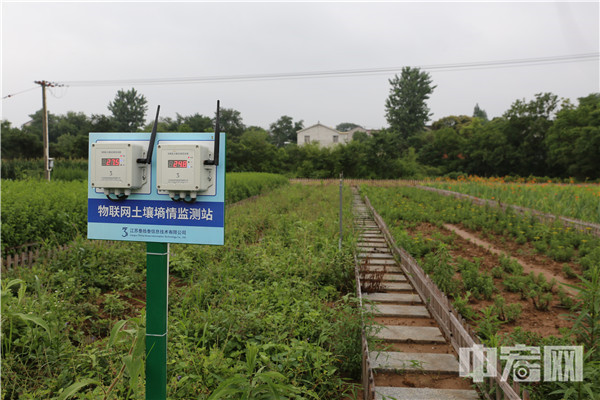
[394, 298]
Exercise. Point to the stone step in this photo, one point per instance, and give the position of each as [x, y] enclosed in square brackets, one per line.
[392, 361]
[372, 242]
[385, 278]
[378, 261]
[406, 393]
[397, 287]
[371, 256]
[393, 298]
[394, 278]
[389, 268]
[374, 248]
[410, 334]
[400, 311]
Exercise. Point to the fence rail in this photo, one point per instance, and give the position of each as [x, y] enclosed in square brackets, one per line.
[367, 378]
[25, 255]
[454, 327]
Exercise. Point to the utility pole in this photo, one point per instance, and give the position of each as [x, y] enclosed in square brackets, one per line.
[47, 169]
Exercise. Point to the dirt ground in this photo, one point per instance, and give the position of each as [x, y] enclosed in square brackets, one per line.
[470, 245]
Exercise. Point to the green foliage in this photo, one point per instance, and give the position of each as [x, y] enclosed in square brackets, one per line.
[55, 212]
[246, 184]
[64, 169]
[284, 130]
[479, 284]
[17, 144]
[269, 315]
[230, 122]
[40, 211]
[507, 312]
[346, 126]
[128, 110]
[586, 320]
[488, 324]
[577, 201]
[479, 113]
[406, 108]
[461, 304]
[574, 139]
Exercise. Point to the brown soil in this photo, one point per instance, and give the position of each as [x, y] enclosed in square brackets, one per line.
[535, 263]
[470, 245]
[422, 380]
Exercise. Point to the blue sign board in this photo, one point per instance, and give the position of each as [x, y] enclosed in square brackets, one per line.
[147, 214]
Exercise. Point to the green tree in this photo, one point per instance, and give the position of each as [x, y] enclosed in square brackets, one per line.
[257, 153]
[445, 147]
[34, 126]
[128, 110]
[196, 123]
[525, 131]
[406, 108]
[284, 130]
[230, 122]
[452, 121]
[488, 151]
[573, 141]
[101, 123]
[16, 143]
[346, 126]
[479, 113]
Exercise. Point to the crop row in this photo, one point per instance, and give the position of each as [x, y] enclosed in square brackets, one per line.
[55, 212]
[581, 201]
[494, 292]
[562, 244]
[270, 313]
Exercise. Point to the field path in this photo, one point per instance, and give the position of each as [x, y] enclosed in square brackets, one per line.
[413, 359]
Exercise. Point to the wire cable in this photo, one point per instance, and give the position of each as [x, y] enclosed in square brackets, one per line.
[341, 72]
[17, 93]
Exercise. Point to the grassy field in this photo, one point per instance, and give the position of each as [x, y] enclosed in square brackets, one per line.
[580, 201]
[269, 315]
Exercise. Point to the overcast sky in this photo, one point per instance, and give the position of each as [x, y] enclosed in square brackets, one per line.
[101, 41]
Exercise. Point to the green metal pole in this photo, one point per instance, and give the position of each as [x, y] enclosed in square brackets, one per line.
[157, 285]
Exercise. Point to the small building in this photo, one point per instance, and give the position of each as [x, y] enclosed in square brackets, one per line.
[323, 135]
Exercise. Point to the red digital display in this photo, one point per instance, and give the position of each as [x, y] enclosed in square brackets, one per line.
[111, 162]
[177, 164]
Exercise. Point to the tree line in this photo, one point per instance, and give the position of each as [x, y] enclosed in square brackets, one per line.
[545, 136]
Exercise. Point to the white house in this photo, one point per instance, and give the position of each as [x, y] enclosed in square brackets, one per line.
[323, 135]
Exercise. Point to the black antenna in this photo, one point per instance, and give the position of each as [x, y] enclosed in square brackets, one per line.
[215, 160]
[148, 159]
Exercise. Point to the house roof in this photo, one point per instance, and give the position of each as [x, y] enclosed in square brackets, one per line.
[321, 125]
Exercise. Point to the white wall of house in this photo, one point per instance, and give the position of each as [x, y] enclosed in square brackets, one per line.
[322, 134]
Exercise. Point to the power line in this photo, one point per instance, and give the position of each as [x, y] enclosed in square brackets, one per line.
[341, 72]
[17, 93]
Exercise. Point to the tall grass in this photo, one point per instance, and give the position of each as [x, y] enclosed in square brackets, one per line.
[270, 313]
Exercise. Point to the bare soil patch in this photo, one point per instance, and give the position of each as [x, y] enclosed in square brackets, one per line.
[422, 380]
[531, 262]
[473, 246]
